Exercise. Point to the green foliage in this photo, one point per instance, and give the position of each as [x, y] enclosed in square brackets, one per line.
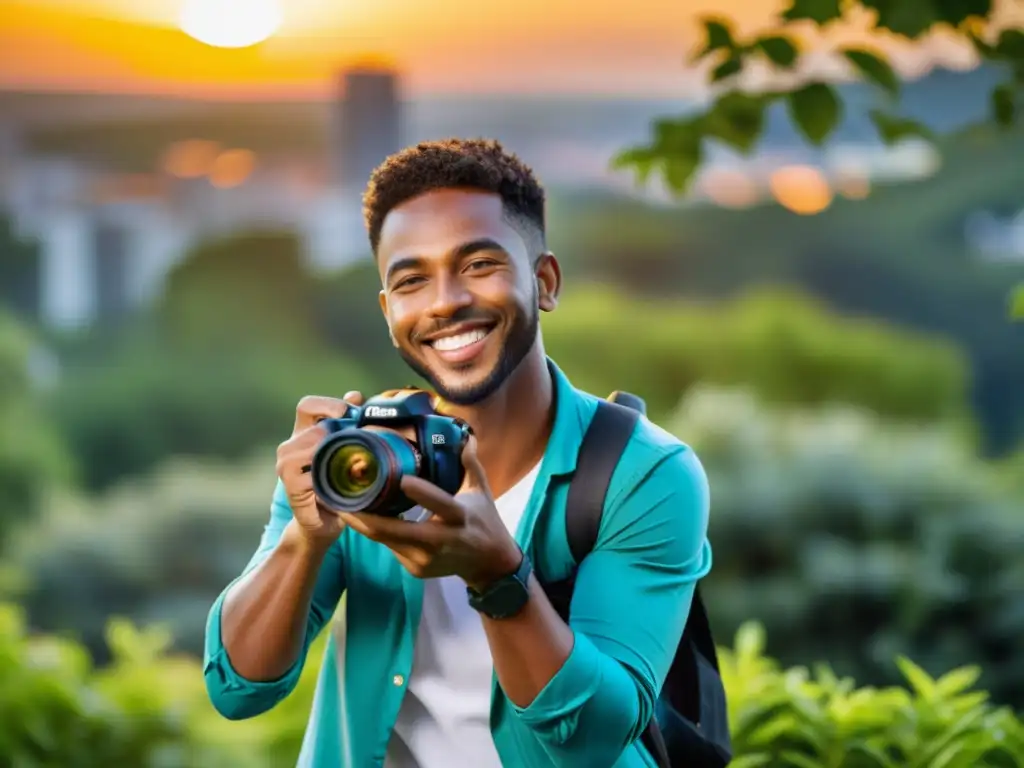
[124, 417]
[148, 709]
[32, 458]
[855, 540]
[155, 549]
[796, 719]
[249, 289]
[815, 107]
[1017, 304]
[789, 349]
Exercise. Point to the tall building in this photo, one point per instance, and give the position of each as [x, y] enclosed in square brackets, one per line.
[368, 123]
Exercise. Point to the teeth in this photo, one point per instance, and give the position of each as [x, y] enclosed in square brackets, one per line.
[451, 343]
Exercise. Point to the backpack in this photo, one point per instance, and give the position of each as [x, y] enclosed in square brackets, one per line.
[693, 730]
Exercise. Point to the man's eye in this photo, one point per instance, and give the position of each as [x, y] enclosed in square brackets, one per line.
[407, 282]
[482, 264]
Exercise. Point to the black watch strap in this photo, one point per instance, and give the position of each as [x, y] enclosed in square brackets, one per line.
[507, 596]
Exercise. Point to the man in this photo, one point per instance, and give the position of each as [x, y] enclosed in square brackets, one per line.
[426, 674]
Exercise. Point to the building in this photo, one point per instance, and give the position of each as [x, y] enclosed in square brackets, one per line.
[109, 237]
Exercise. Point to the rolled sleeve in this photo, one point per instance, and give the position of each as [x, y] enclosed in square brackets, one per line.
[236, 697]
[629, 608]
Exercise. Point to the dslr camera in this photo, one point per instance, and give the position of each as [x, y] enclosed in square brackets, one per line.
[360, 464]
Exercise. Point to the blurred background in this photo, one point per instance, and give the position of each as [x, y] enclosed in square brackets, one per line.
[182, 257]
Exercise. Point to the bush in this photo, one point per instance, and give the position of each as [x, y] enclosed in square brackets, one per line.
[792, 719]
[32, 458]
[158, 549]
[786, 347]
[124, 418]
[855, 540]
[149, 709]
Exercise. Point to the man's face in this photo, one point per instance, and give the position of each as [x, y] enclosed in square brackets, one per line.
[462, 291]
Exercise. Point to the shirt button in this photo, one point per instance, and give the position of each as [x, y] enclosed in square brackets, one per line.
[398, 680]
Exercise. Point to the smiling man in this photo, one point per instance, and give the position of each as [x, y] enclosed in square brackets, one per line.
[449, 652]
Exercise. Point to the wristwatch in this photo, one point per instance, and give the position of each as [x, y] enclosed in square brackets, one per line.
[507, 596]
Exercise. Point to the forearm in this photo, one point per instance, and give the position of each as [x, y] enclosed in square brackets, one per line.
[266, 613]
[529, 648]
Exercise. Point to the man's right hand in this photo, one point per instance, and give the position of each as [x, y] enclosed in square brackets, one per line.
[294, 457]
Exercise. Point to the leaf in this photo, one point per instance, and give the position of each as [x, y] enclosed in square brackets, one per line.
[779, 49]
[1004, 106]
[737, 119]
[1017, 303]
[819, 11]
[910, 18]
[919, 680]
[815, 109]
[731, 66]
[892, 128]
[718, 36]
[957, 681]
[679, 171]
[874, 69]
[640, 159]
[956, 12]
[1011, 44]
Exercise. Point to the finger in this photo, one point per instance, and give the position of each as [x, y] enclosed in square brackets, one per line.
[476, 478]
[433, 499]
[314, 408]
[391, 531]
[354, 398]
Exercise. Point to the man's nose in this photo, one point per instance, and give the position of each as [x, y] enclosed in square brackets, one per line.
[451, 296]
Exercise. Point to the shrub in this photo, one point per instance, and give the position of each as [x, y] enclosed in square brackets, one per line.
[148, 709]
[156, 549]
[855, 540]
[32, 457]
[795, 719]
[786, 347]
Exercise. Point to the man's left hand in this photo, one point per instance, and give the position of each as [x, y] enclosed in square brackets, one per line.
[464, 536]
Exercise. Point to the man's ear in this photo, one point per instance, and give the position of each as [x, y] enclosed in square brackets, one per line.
[382, 297]
[549, 281]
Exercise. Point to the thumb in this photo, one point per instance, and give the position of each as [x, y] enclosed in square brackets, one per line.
[476, 478]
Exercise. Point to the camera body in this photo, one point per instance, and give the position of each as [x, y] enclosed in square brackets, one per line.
[356, 469]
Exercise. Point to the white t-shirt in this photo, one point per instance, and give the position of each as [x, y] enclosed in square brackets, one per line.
[444, 720]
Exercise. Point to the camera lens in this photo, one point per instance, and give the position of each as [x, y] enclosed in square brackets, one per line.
[358, 470]
[352, 470]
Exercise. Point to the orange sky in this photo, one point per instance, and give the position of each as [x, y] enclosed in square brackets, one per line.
[442, 46]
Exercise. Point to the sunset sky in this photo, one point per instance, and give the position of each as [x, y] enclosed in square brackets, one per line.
[567, 46]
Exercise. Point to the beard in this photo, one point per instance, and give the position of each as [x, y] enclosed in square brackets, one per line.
[520, 340]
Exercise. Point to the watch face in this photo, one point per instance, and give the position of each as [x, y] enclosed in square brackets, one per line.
[505, 599]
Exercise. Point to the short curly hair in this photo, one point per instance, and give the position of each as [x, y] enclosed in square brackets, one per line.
[479, 164]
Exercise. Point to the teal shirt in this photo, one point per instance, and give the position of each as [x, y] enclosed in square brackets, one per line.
[629, 608]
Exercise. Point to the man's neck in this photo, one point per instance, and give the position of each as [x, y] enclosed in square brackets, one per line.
[513, 425]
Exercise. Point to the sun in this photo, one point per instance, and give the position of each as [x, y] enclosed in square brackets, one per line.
[230, 23]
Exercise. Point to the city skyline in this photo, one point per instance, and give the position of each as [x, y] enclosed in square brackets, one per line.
[442, 46]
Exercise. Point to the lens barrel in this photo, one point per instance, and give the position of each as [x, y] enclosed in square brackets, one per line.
[358, 470]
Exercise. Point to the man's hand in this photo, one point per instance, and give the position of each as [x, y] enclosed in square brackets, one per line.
[465, 535]
[294, 457]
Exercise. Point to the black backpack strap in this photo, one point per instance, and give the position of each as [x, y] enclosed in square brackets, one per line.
[602, 447]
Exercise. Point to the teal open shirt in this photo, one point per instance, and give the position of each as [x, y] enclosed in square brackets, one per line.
[632, 598]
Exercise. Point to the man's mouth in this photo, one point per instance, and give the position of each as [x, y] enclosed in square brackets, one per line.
[459, 341]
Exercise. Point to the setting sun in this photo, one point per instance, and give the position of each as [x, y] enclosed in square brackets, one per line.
[230, 23]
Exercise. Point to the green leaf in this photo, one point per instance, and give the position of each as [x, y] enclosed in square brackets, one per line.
[640, 159]
[1017, 303]
[816, 110]
[718, 36]
[956, 12]
[1011, 44]
[919, 680]
[910, 18]
[892, 128]
[1004, 106]
[957, 681]
[731, 66]
[874, 69]
[819, 11]
[779, 49]
[679, 171]
[737, 119]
